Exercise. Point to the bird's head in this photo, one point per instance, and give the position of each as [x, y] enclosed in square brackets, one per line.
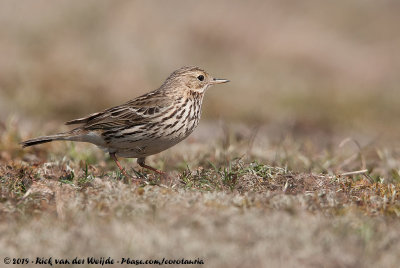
[192, 78]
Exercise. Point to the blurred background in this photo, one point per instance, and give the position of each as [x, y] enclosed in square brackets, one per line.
[310, 64]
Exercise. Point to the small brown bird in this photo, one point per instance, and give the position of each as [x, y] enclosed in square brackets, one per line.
[146, 125]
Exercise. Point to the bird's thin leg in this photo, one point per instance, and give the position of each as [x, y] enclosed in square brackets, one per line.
[142, 163]
[114, 157]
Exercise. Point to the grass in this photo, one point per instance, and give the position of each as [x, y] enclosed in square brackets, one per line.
[228, 208]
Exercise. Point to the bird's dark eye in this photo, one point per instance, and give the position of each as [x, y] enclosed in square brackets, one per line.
[200, 77]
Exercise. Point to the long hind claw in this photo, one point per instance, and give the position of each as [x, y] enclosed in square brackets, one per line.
[142, 163]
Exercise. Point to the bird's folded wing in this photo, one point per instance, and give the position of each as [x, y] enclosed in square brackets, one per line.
[135, 112]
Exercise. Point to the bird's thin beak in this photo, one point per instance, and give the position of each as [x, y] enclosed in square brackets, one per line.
[218, 81]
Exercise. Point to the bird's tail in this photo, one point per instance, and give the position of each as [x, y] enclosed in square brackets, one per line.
[44, 139]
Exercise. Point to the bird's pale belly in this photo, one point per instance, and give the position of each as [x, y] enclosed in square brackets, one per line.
[145, 148]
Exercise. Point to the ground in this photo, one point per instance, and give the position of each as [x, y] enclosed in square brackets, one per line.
[230, 203]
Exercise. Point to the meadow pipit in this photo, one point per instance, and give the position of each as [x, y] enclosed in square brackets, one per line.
[146, 125]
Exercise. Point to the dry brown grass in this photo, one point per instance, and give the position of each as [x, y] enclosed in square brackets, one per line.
[223, 203]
